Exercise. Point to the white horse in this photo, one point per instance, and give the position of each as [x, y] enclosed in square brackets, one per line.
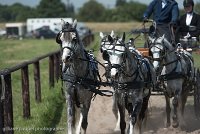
[130, 74]
[77, 70]
[175, 71]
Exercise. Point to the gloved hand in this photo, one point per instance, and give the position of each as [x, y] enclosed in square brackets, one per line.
[145, 19]
[187, 36]
[173, 24]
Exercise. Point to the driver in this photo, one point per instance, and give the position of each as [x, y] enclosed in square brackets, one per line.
[189, 23]
[164, 12]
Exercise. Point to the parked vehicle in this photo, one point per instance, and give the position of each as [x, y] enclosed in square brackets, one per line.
[44, 33]
[2, 32]
[83, 30]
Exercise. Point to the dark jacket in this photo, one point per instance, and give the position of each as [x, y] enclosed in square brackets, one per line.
[164, 15]
[184, 29]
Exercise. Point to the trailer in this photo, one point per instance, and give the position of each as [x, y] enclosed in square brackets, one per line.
[54, 24]
[15, 30]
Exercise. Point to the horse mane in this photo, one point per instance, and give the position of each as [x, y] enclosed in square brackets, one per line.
[168, 44]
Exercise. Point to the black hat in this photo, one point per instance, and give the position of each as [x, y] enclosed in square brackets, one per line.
[187, 3]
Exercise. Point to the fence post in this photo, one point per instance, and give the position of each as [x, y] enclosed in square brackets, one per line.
[1, 110]
[37, 81]
[51, 71]
[57, 66]
[8, 106]
[25, 92]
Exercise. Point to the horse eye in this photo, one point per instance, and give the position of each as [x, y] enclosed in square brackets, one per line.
[74, 39]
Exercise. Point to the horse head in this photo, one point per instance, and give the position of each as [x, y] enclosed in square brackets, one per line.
[159, 47]
[156, 49]
[105, 44]
[69, 40]
[116, 54]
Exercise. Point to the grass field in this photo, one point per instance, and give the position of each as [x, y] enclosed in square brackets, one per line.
[43, 114]
[52, 111]
[118, 27]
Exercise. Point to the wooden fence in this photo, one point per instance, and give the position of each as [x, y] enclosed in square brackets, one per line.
[6, 105]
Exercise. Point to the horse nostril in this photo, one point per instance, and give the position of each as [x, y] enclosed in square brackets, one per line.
[68, 57]
[63, 60]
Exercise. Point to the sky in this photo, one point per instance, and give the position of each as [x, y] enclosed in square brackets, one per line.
[79, 3]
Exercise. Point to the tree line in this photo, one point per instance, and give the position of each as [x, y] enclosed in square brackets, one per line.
[91, 11]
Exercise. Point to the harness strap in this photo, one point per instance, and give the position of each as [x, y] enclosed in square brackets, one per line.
[172, 62]
[90, 84]
[129, 85]
[68, 48]
[171, 76]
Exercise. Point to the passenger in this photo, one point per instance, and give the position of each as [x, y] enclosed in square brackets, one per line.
[189, 23]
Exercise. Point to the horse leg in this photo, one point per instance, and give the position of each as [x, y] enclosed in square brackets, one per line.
[84, 112]
[133, 115]
[122, 118]
[175, 101]
[116, 112]
[143, 114]
[70, 114]
[78, 120]
[168, 110]
[184, 97]
[182, 103]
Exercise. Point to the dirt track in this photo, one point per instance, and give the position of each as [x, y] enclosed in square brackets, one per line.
[102, 121]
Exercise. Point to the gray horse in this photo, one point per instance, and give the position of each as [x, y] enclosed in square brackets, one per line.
[131, 75]
[78, 71]
[175, 71]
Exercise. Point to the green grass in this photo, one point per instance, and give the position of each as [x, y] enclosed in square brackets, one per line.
[46, 114]
[17, 51]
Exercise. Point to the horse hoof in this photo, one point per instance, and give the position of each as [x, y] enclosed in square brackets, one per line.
[175, 124]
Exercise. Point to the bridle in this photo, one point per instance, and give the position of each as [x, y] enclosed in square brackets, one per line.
[162, 51]
[74, 40]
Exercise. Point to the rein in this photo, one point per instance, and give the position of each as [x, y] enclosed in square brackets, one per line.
[173, 74]
[88, 83]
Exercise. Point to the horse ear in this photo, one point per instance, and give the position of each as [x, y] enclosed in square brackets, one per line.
[62, 22]
[123, 37]
[74, 23]
[163, 36]
[112, 33]
[101, 35]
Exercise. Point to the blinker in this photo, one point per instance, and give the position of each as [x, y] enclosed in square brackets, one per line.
[105, 55]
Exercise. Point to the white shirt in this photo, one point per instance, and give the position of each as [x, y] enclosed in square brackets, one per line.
[188, 21]
[164, 3]
[189, 18]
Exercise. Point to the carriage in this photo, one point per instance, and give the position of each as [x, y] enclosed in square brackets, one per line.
[190, 45]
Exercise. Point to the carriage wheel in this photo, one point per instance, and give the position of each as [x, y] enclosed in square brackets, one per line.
[197, 94]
